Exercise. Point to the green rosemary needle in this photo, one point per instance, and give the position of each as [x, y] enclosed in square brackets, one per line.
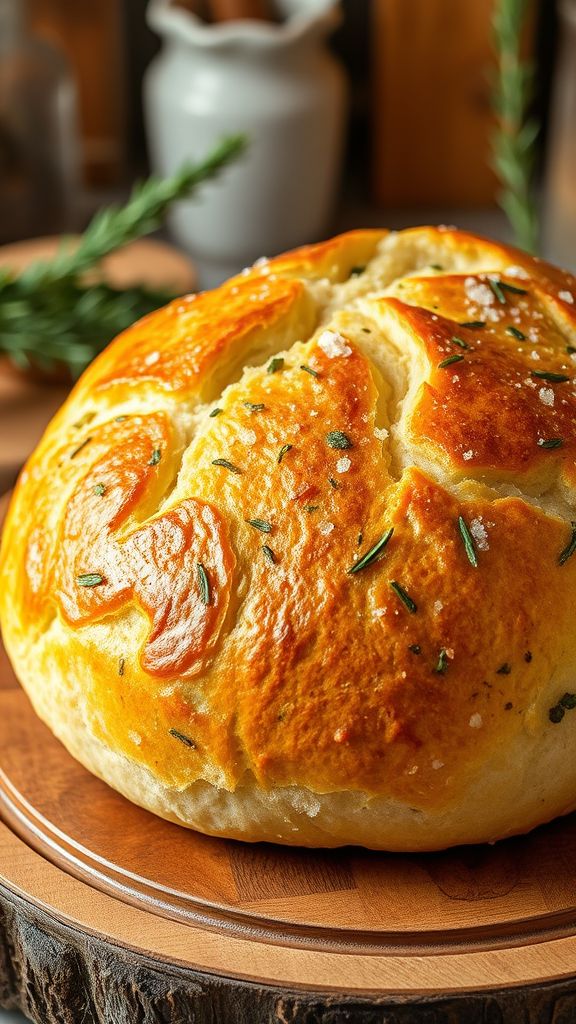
[308, 369]
[155, 457]
[516, 333]
[404, 597]
[570, 547]
[284, 449]
[372, 554]
[468, 541]
[275, 364]
[268, 554]
[90, 579]
[260, 524]
[550, 442]
[227, 465]
[456, 358]
[203, 583]
[554, 378]
[183, 739]
[80, 447]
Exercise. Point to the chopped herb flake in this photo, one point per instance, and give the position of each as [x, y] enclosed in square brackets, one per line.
[155, 457]
[311, 508]
[516, 333]
[120, 419]
[121, 665]
[372, 554]
[333, 483]
[415, 648]
[360, 538]
[275, 364]
[254, 406]
[215, 412]
[227, 465]
[571, 349]
[355, 271]
[260, 524]
[474, 325]
[468, 541]
[203, 583]
[456, 358]
[570, 547]
[556, 714]
[99, 489]
[80, 447]
[90, 579]
[338, 439]
[404, 597]
[268, 554]
[284, 449]
[308, 369]
[442, 663]
[459, 341]
[528, 657]
[554, 378]
[504, 669]
[183, 739]
[568, 701]
[436, 266]
[550, 442]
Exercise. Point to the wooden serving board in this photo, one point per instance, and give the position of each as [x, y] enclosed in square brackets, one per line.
[109, 915]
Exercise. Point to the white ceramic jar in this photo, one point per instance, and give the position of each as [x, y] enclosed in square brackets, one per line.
[278, 84]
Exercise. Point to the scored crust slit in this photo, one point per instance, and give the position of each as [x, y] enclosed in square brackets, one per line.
[294, 560]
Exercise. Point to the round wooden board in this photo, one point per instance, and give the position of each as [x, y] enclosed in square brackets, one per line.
[109, 915]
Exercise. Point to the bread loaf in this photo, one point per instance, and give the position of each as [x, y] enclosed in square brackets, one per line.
[294, 560]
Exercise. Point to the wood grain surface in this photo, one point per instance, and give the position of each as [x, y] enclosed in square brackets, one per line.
[109, 915]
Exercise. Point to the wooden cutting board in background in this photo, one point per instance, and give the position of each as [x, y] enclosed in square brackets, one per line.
[27, 405]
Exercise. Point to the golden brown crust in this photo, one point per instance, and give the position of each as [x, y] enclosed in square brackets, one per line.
[183, 540]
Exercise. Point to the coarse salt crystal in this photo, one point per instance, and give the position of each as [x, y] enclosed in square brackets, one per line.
[135, 737]
[480, 534]
[152, 358]
[566, 297]
[468, 455]
[438, 606]
[535, 355]
[313, 412]
[517, 272]
[333, 344]
[247, 436]
[478, 292]
[546, 396]
[325, 528]
[475, 721]
[381, 433]
[343, 464]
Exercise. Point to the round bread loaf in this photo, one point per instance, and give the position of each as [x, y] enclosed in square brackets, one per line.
[294, 561]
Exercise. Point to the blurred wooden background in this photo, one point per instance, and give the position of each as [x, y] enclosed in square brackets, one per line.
[419, 76]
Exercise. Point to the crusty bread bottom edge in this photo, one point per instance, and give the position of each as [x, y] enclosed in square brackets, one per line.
[502, 802]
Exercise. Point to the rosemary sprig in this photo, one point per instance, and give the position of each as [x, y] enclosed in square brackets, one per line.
[513, 148]
[50, 316]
